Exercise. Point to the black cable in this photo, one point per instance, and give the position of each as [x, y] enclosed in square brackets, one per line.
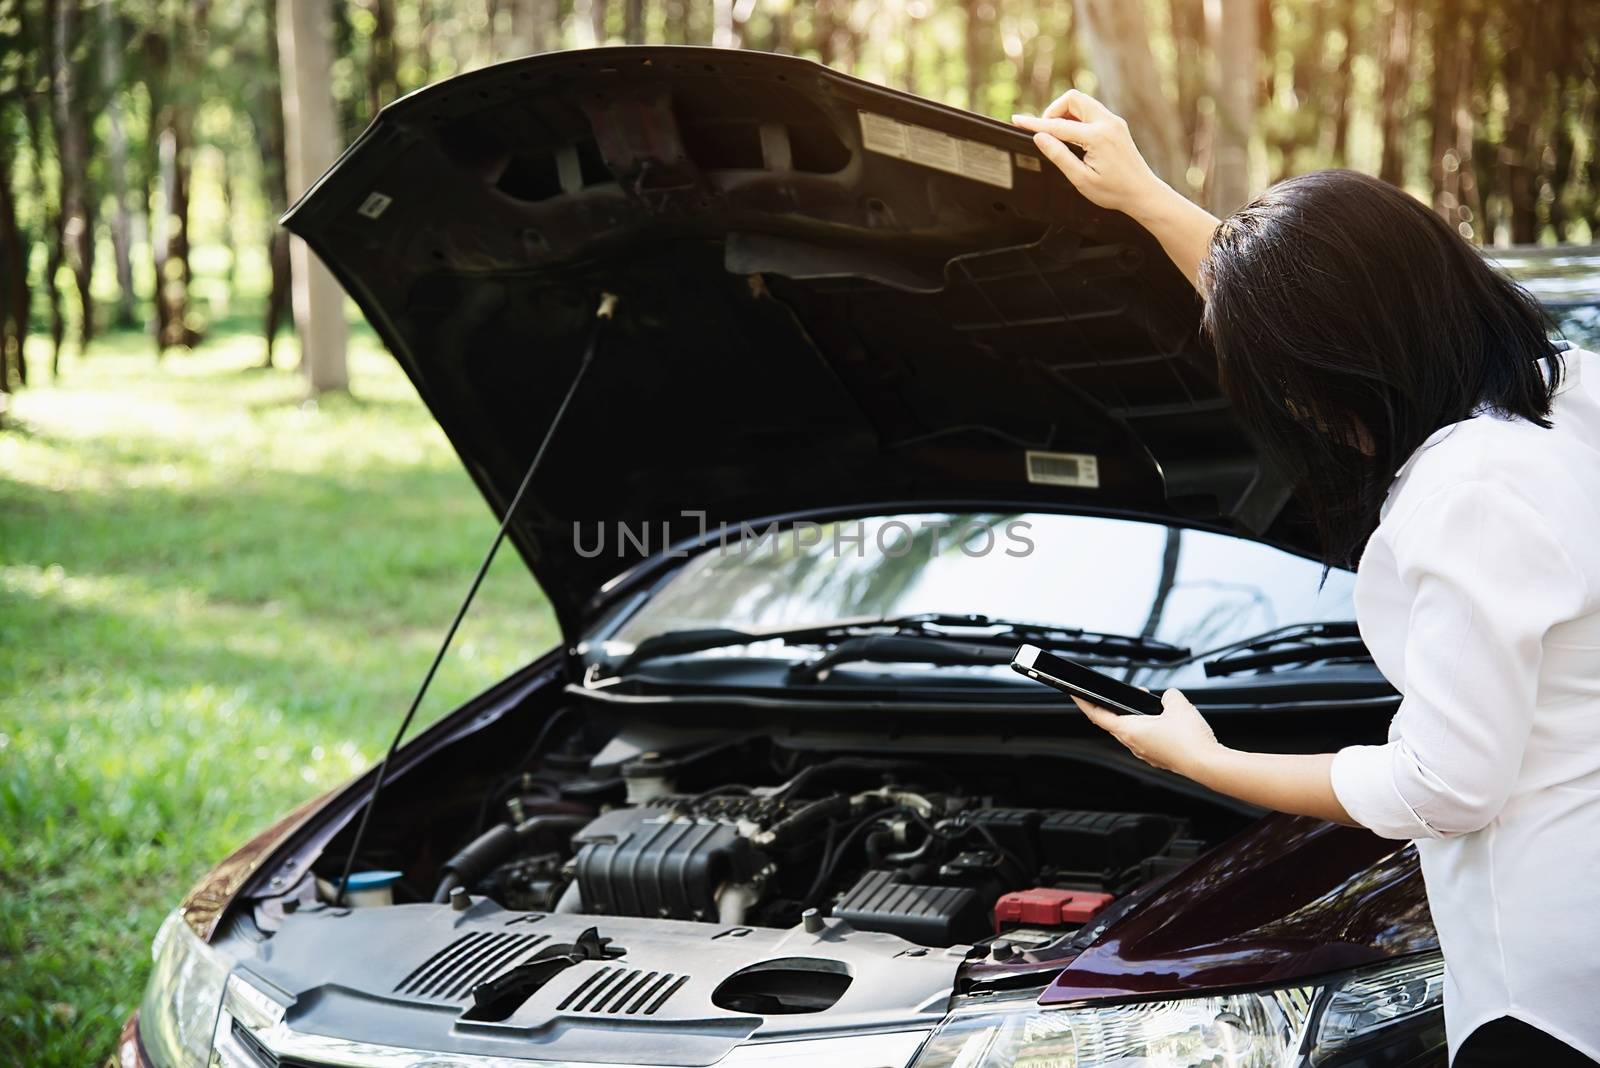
[602, 316]
[502, 785]
[1022, 870]
[826, 869]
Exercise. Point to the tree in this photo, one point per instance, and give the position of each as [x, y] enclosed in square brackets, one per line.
[14, 294]
[1116, 40]
[310, 138]
[173, 70]
[36, 43]
[266, 118]
[1526, 69]
[1394, 104]
[383, 71]
[72, 158]
[117, 161]
[1234, 24]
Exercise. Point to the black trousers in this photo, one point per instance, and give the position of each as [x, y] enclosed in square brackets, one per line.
[1510, 1043]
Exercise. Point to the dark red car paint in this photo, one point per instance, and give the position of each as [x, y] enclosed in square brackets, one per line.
[1290, 898]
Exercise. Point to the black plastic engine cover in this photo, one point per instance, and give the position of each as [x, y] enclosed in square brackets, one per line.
[651, 861]
[927, 915]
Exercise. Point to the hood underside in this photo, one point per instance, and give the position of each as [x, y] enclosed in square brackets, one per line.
[829, 295]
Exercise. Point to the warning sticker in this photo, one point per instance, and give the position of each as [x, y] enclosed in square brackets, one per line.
[930, 148]
[375, 205]
[1064, 469]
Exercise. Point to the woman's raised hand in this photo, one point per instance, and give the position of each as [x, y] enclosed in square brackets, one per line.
[1112, 172]
[1114, 175]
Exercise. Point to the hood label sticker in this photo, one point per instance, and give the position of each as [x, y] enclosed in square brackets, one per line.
[1078, 469]
[375, 205]
[930, 148]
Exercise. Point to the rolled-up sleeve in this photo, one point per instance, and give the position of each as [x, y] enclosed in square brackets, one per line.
[1488, 577]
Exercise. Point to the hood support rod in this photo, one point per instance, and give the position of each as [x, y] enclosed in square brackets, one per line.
[602, 315]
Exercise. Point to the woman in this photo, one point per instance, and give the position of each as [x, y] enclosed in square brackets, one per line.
[1442, 438]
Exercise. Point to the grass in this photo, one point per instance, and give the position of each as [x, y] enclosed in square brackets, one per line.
[215, 601]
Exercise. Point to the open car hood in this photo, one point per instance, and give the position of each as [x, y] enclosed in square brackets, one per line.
[829, 296]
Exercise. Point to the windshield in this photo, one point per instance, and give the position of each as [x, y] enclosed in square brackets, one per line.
[1187, 587]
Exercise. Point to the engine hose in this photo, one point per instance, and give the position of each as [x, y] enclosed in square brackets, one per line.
[487, 851]
[808, 816]
[877, 842]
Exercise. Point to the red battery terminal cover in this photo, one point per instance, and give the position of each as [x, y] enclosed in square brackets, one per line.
[1047, 907]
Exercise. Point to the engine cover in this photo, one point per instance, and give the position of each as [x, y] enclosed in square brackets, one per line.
[656, 861]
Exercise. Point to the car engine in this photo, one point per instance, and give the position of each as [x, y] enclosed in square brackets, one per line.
[882, 844]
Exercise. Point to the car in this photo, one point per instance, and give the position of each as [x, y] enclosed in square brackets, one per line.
[807, 402]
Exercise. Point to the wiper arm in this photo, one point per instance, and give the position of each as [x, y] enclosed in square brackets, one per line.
[1302, 643]
[930, 626]
[1063, 639]
[701, 639]
[899, 649]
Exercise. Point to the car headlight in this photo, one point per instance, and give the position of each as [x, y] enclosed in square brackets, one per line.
[1229, 1031]
[1266, 1029]
[180, 1001]
[1372, 1001]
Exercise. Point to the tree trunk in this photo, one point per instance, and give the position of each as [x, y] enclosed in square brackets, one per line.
[1471, 202]
[1520, 153]
[1590, 120]
[169, 229]
[723, 33]
[1189, 50]
[1117, 41]
[304, 56]
[1443, 166]
[1302, 114]
[547, 25]
[228, 175]
[675, 21]
[383, 74]
[823, 17]
[13, 285]
[780, 33]
[633, 22]
[979, 15]
[1343, 83]
[1233, 39]
[51, 216]
[172, 63]
[268, 116]
[1567, 35]
[72, 155]
[117, 162]
[1396, 81]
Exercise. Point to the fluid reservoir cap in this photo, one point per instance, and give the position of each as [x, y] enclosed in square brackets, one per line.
[371, 880]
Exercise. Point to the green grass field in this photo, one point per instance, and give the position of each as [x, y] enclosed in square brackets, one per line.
[215, 601]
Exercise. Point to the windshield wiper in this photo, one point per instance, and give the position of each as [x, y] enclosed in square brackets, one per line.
[930, 628]
[1301, 643]
[897, 649]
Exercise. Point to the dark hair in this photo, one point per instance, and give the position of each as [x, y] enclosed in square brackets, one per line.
[1350, 322]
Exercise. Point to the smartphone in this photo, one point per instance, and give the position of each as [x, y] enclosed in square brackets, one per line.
[1091, 685]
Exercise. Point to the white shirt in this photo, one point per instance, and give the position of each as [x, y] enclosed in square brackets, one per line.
[1479, 597]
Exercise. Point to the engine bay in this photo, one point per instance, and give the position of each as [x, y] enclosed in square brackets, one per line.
[939, 848]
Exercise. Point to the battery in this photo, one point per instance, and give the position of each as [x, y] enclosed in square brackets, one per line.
[1045, 906]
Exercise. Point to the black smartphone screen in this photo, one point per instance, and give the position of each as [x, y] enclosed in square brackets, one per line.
[1091, 685]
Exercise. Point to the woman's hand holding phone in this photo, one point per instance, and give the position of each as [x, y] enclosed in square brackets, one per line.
[1178, 740]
